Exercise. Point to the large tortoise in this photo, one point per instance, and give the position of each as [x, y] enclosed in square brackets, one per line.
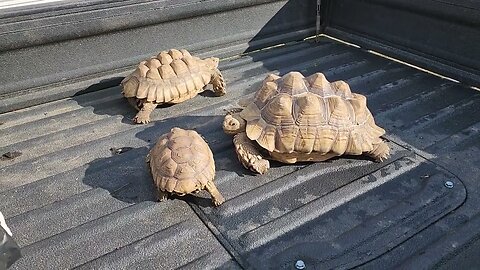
[294, 118]
[170, 77]
[181, 163]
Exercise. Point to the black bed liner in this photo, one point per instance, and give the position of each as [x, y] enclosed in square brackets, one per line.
[71, 203]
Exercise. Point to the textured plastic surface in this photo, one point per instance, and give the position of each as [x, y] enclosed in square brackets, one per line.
[70, 202]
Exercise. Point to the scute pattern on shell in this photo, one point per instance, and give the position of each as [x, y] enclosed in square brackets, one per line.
[297, 114]
[169, 77]
[181, 162]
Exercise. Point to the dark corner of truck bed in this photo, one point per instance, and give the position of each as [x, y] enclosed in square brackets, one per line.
[76, 191]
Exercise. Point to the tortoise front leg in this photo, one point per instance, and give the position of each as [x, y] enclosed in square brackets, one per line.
[143, 116]
[161, 195]
[133, 102]
[249, 155]
[218, 83]
[217, 198]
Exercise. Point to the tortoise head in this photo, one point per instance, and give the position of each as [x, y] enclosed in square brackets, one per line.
[212, 62]
[234, 123]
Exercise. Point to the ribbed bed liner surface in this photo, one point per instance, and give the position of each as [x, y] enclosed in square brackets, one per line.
[72, 203]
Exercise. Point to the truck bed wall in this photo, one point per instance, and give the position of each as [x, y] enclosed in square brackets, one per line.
[53, 53]
[442, 36]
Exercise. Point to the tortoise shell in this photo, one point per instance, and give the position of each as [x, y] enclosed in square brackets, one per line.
[181, 162]
[169, 77]
[294, 114]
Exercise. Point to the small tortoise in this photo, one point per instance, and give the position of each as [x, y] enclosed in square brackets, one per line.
[181, 162]
[303, 119]
[170, 77]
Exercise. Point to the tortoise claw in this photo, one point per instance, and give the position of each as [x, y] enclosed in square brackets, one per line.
[162, 195]
[260, 166]
[141, 120]
[218, 201]
[233, 110]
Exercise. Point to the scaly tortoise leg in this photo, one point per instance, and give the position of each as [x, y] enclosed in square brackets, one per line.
[380, 152]
[218, 83]
[217, 198]
[161, 195]
[143, 116]
[133, 102]
[249, 155]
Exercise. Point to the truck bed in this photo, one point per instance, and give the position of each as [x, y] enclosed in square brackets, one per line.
[81, 196]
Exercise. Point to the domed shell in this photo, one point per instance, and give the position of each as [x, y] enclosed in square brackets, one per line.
[181, 162]
[169, 76]
[296, 114]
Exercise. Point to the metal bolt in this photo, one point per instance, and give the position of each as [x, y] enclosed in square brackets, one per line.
[449, 184]
[300, 264]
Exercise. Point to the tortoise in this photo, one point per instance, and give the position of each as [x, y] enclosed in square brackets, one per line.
[294, 119]
[181, 163]
[168, 78]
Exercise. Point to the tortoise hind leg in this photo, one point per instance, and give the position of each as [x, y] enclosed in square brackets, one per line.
[380, 152]
[217, 198]
[218, 83]
[249, 155]
[143, 116]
